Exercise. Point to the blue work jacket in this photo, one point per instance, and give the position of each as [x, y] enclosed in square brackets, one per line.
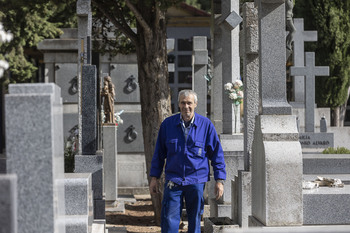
[187, 161]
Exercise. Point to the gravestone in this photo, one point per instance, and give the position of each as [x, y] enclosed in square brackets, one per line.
[199, 70]
[216, 83]
[8, 203]
[309, 70]
[249, 44]
[250, 53]
[35, 155]
[229, 25]
[84, 52]
[300, 37]
[276, 158]
[226, 64]
[310, 139]
[89, 110]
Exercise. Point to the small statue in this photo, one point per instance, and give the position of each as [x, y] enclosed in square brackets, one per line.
[289, 24]
[108, 104]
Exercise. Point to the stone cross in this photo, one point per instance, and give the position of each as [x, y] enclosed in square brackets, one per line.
[310, 71]
[84, 51]
[199, 70]
[272, 67]
[226, 64]
[300, 37]
[230, 60]
[249, 51]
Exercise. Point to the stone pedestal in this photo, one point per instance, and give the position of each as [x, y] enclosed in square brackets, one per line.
[277, 171]
[110, 162]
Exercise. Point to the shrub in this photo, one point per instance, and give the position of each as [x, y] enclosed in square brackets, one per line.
[338, 150]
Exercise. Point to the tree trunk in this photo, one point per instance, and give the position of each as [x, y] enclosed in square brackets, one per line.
[153, 82]
[335, 118]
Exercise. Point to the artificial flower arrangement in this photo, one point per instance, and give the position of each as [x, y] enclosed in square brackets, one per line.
[235, 91]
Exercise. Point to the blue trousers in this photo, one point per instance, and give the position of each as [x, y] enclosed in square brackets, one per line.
[172, 207]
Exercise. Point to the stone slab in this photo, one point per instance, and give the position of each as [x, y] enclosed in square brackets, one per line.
[8, 203]
[325, 206]
[326, 163]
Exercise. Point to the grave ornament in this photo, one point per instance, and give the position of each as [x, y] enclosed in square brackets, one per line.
[108, 94]
[289, 26]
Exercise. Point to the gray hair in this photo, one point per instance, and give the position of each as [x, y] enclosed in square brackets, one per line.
[186, 93]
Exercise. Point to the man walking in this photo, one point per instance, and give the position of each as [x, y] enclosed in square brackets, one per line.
[187, 142]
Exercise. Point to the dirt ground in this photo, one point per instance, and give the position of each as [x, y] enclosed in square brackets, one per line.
[138, 217]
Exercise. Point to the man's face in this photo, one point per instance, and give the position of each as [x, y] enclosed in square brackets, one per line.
[187, 106]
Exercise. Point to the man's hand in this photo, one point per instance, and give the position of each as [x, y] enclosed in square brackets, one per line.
[219, 190]
[153, 186]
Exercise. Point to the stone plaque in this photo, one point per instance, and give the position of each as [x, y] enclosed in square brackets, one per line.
[131, 174]
[66, 79]
[316, 140]
[129, 134]
[125, 79]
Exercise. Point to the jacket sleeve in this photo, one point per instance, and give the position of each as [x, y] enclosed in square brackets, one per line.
[216, 154]
[159, 155]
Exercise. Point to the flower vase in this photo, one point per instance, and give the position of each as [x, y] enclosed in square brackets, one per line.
[236, 108]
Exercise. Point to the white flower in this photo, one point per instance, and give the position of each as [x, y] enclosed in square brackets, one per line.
[232, 96]
[238, 83]
[228, 86]
[240, 94]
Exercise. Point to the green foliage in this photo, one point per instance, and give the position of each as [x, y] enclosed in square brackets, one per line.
[338, 150]
[30, 24]
[331, 19]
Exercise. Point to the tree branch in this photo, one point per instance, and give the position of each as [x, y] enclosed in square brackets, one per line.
[139, 17]
[125, 28]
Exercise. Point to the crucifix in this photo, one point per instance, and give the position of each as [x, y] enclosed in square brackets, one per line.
[309, 71]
